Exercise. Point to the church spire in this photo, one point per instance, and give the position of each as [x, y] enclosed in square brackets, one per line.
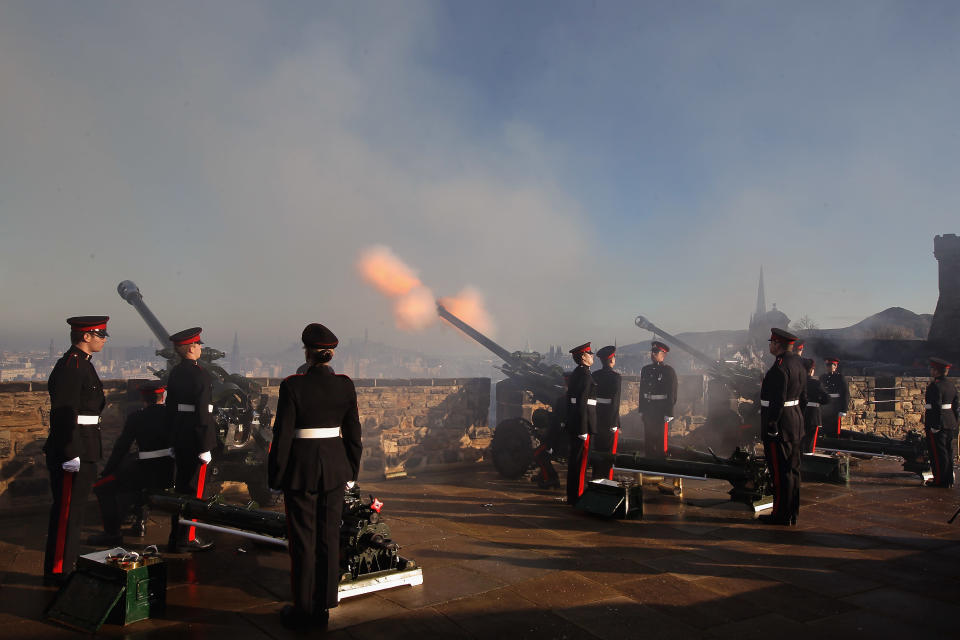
[761, 297]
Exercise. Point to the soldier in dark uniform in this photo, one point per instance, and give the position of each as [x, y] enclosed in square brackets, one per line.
[783, 397]
[581, 421]
[817, 398]
[836, 386]
[658, 395]
[608, 409]
[194, 431]
[940, 423]
[315, 454]
[73, 446]
[150, 470]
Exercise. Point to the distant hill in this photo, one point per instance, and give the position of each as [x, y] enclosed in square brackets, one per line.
[895, 323]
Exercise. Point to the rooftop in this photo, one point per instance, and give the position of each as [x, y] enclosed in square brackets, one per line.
[501, 558]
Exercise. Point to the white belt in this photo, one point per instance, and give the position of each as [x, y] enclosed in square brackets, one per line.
[649, 396]
[788, 403]
[590, 401]
[834, 395]
[88, 419]
[604, 400]
[943, 406]
[156, 453]
[317, 432]
[813, 404]
[191, 407]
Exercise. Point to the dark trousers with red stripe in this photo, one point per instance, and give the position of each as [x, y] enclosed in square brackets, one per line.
[809, 442]
[190, 480]
[783, 461]
[70, 492]
[313, 539]
[603, 442]
[577, 467]
[655, 433]
[941, 444]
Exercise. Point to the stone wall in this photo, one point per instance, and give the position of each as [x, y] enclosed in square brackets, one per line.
[408, 426]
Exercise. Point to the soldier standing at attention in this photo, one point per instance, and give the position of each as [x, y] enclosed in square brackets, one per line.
[817, 398]
[940, 422]
[152, 469]
[190, 421]
[836, 386]
[658, 395]
[783, 396]
[73, 445]
[315, 454]
[581, 420]
[608, 409]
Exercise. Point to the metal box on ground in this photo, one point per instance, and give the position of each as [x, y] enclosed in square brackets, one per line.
[821, 467]
[99, 592]
[612, 499]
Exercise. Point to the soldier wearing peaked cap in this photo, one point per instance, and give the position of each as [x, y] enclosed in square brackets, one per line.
[581, 421]
[658, 395]
[783, 398]
[608, 409]
[194, 430]
[152, 468]
[940, 418]
[836, 386]
[73, 446]
[817, 398]
[314, 455]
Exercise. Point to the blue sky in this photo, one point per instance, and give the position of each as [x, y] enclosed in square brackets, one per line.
[577, 162]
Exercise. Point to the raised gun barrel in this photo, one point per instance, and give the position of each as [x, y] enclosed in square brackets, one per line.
[911, 448]
[129, 291]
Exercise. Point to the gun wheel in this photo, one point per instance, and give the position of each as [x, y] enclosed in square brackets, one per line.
[512, 447]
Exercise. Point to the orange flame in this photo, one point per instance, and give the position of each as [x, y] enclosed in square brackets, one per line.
[468, 306]
[415, 310]
[380, 267]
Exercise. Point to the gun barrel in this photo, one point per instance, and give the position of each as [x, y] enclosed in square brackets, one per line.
[504, 355]
[131, 293]
[643, 323]
[267, 523]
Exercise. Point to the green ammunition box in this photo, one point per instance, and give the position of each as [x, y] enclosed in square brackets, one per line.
[612, 499]
[99, 592]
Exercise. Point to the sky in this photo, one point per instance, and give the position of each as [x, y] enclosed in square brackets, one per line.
[574, 163]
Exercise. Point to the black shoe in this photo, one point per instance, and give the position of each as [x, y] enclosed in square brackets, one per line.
[552, 483]
[321, 618]
[105, 539]
[197, 544]
[54, 579]
[139, 529]
[294, 619]
[771, 519]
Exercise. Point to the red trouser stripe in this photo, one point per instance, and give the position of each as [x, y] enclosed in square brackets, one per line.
[838, 425]
[616, 439]
[777, 484]
[816, 432]
[200, 478]
[104, 480]
[62, 522]
[666, 430]
[583, 464]
[936, 458]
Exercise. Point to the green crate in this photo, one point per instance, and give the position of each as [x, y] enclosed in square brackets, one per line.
[98, 592]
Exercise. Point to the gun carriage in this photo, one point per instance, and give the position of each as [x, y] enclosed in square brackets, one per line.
[241, 411]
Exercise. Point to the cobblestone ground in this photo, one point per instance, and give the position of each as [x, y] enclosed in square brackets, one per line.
[873, 559]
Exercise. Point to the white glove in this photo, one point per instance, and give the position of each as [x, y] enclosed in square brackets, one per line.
[72, 466]
[843, 413]
[668, 418]
[583, 436]
[614, 428]
[351, 483]
[205, 457]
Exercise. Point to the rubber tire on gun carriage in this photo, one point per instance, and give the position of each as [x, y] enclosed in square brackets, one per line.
[512, 447]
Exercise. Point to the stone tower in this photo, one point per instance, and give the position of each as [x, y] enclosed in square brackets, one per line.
[946, 319]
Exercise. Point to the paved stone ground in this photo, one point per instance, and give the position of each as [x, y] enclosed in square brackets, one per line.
[874, 559]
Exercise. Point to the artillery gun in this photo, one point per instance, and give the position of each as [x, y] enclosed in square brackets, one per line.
[515, 439]
[241, 411]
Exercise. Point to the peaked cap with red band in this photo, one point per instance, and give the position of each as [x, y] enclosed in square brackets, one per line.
[831, 360]
[187, 336]
[656, 345]
[781, 336]
[151, 390]
[607, 352]
[319, 337]
[940, 363]
[88, 323]
[583, 348]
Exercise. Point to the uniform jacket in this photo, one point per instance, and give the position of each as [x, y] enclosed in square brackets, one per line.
[657, 379]
[608, 398]
[836, 385]
[939, 393]
[817, 398]
[75, 390]
[785, 382]
[196, 430]
[581, 402]
[147, 427]
[317, 399]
